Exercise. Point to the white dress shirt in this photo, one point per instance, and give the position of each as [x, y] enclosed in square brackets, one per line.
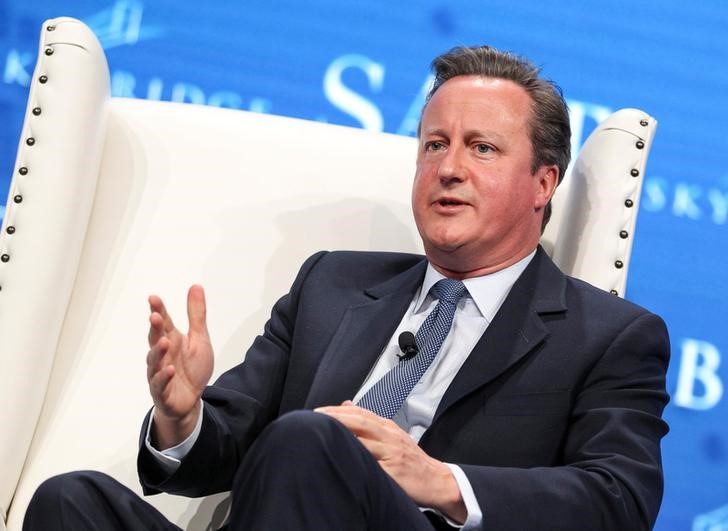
[474, 313]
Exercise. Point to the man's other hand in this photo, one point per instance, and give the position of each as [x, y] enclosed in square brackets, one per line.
[429, 482]
[179, 367]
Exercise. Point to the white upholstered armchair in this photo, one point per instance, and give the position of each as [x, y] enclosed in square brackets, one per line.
[113, 199]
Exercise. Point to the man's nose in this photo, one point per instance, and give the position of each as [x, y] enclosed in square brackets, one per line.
[451, 169]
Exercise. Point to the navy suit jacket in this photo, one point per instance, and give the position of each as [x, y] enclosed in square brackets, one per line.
[555, 417]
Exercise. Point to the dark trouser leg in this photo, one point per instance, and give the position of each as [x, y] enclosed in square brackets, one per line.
[306, 471]
[81, 501]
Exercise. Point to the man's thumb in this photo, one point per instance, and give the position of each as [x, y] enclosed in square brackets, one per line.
[197, 309]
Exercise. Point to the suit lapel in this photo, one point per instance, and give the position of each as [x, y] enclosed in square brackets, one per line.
[514, 332]
[361, 337]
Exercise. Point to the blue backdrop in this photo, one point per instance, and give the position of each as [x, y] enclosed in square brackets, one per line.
[365, 64]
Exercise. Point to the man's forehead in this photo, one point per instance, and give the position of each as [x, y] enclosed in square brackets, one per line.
[460, 88]
[470, 97]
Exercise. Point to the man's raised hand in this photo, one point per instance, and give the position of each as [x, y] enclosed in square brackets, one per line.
[179, 366]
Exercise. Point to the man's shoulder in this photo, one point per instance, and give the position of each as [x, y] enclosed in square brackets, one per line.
[579, 298]
[593, 301]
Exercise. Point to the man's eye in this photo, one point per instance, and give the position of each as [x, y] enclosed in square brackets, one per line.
[435, 146]
[483, 148]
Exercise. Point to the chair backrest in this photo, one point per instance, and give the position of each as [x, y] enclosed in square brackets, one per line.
[591, 233]
[122, 198]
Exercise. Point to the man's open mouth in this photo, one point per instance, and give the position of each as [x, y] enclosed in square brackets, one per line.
[447, 201]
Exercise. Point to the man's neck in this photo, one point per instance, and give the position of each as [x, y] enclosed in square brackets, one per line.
[484, 268]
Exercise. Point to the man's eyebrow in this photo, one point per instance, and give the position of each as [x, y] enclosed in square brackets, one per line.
[434, 132]
[486, 134]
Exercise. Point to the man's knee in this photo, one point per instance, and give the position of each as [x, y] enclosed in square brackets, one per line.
[89, 500]
[304, 430]
[58, 497]
[66, 486]
[299, 439]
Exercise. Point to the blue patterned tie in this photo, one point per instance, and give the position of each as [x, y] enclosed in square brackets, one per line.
[387, 395]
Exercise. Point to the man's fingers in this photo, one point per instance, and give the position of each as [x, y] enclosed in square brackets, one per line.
[369, 429]
[156, 305]
[156, 328]
[160, 380]
[156, 355]
[378, 449]
[348, 408]
[361, 422]
[197, 310]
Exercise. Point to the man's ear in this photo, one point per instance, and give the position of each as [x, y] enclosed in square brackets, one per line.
[546, 180]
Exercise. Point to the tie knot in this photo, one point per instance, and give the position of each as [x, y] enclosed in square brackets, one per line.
[449, 290]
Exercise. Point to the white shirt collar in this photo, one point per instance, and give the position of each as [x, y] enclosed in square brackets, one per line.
[487, 291]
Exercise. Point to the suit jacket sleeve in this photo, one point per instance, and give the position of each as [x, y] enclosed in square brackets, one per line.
[610, 475]
[240, 403]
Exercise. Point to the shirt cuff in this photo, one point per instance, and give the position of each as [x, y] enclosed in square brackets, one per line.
[171, 458]
[474, 519]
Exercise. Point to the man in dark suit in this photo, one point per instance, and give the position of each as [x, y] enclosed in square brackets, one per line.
[538, 400]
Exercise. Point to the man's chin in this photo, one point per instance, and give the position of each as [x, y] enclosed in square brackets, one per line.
[451, 256]
[449, 248]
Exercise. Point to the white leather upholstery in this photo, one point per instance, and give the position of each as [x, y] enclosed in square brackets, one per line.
[595, 208]
[185, 194]
[50, 225]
